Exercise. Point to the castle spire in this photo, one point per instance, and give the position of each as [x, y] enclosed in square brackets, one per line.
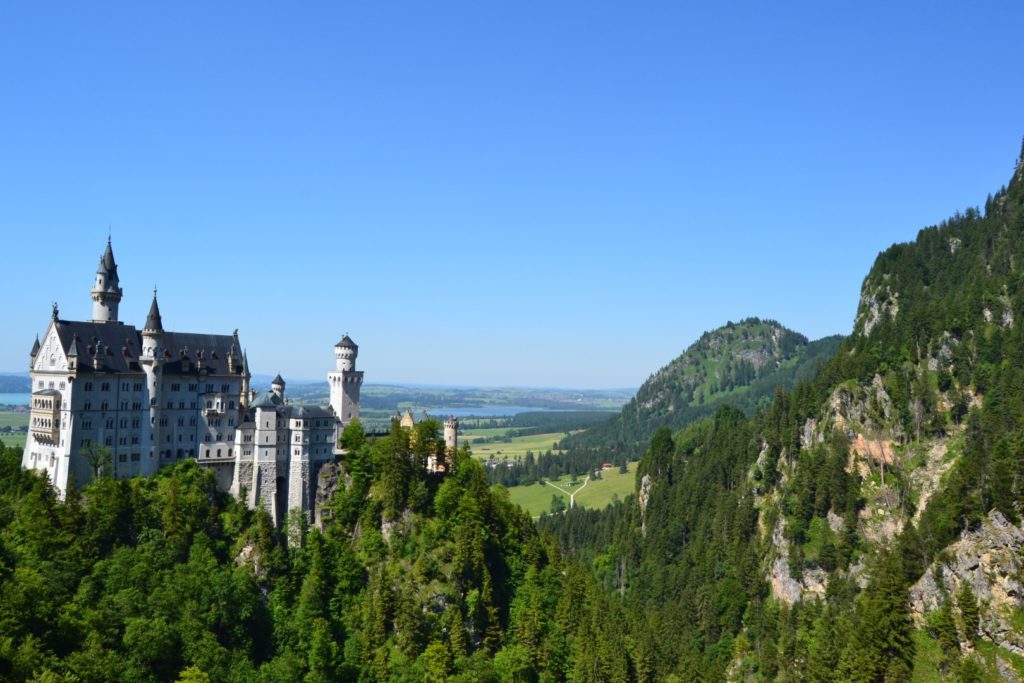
[153, 321]
[106, 292]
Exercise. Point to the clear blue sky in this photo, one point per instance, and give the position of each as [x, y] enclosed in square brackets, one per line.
[488, 193]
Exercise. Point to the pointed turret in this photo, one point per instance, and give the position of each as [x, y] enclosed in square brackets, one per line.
[153, 321]
[33, 353]
[152, 333]
[106, 292]
[277, 386]
[107, 264]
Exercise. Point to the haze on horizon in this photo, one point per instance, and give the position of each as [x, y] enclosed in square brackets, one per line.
[485, 195]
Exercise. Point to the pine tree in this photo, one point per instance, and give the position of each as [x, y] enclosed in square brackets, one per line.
[968, 605]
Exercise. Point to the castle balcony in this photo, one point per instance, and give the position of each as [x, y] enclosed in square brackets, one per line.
[44, 418]
[213, 412]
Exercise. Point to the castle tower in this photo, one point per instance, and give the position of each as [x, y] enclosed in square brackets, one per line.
[246, 378]
[151, 362]
[451, 434]
[106, 292]
[277, 386]
[345, 381]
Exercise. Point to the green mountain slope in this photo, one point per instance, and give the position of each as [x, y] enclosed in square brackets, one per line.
[738, 364]
[865, 525]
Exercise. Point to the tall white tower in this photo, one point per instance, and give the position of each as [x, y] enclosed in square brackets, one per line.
[345, 381]
[106, 292]
[451, 433]
[152, 363]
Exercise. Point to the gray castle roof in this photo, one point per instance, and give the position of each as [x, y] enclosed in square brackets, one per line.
[108, 266]
[153, 320]
[346, 343]
[306, 412]
[277, 380]
[35, 347]
[267, 399]
[121, 344]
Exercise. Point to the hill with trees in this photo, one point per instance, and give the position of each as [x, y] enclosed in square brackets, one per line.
[738, 364]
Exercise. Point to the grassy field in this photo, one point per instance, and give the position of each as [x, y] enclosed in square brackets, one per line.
[536, 498]
[9, 418]
[517, 448]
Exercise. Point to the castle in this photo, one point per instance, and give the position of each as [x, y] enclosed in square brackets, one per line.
[150, 398]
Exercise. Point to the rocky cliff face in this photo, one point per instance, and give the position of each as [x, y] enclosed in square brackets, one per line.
[990, 559]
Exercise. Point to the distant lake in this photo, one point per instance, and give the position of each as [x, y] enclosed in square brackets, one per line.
[14, 399]
[486, 411]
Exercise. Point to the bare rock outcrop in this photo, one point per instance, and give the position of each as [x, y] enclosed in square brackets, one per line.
[331, 475]
[643, 496]
[812, 582]
[990, 559]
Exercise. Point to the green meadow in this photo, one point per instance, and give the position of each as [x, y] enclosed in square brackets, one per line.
[598, 493]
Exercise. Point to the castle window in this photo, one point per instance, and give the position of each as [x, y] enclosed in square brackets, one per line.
[88, 386]
[225, 388]
[87, 406]
[137, 386]
[193, 405]
[124, 405]
[122, 457]
[110, 423]
[105, 386]
[175, 387]
[193, 387]
[209, 388]
[170, 405]
[231, 405]
[108, 441]
[181, 405]
[62, 385]
[86, 424]
[123, 423]
[209, 404]
[218, 452]
[135, 457]
[135, 422]
[123, 441]
[135, 440]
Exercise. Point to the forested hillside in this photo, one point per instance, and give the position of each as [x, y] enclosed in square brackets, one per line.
[866, 525]
[738, 364]
[416, 578]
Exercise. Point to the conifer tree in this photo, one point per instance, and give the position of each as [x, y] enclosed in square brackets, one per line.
[968, 605]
